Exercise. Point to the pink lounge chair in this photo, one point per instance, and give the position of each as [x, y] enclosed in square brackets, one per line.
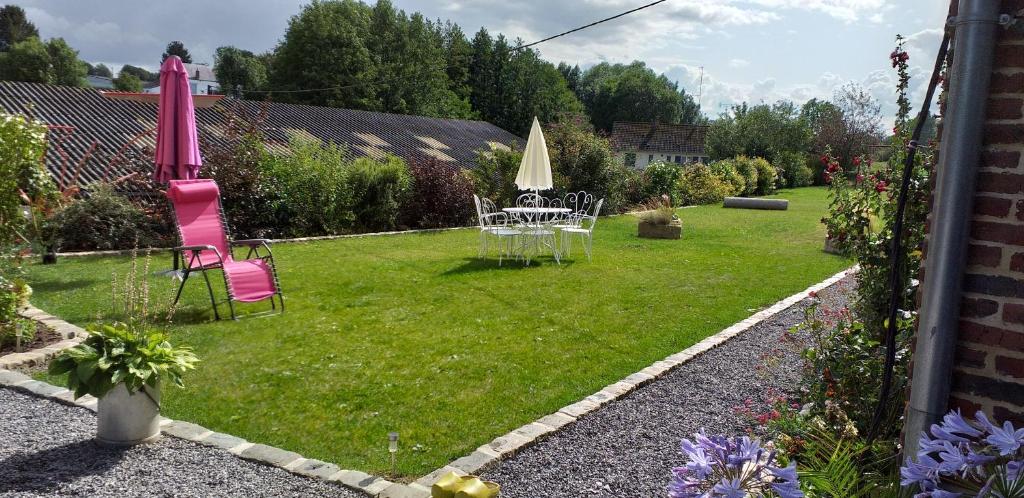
[205, 246]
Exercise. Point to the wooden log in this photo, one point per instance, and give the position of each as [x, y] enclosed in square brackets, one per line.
[748, 203]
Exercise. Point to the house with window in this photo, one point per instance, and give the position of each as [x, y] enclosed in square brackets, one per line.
[638, 144]
[201, 78]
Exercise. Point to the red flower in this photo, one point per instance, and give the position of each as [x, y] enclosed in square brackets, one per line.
[828, 178]
[880, 186]
[860, 177]
[832, 167]
[812, 294]
[824, 159]
[856, 161]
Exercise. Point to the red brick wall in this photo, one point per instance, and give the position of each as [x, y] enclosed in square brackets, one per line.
[989, 367]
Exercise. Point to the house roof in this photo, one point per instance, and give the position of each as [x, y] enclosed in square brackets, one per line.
[199, 72]
[662, 137]
[82, 119]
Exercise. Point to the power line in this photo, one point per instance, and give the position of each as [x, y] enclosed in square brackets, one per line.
[595, 23]
[520, 47]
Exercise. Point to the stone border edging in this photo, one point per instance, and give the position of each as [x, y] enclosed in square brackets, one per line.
[483, 457]
[509, 444]
[36, 358]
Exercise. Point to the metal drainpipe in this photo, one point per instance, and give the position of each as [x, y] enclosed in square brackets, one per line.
[959, 154]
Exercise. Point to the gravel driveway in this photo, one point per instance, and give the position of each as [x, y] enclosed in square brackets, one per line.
[627, 448]
[47, 449]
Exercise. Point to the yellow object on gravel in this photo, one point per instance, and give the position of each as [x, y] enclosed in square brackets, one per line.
[452, 485]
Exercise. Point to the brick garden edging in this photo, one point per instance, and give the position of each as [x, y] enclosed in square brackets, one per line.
[483, 457]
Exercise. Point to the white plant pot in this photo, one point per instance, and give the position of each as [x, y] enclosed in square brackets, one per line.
[125, 419]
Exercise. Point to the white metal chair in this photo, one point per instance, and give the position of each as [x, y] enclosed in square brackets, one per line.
[534, 228]
[579, 203]
[494, 223]
[585, 230]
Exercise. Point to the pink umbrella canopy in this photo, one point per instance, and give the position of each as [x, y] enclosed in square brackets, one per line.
[177, 144]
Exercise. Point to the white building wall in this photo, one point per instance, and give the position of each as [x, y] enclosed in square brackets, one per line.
[645, 157]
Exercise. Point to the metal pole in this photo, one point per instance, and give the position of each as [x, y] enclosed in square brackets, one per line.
[974, 38]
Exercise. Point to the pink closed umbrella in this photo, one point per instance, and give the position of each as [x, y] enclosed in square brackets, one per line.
[177, 144]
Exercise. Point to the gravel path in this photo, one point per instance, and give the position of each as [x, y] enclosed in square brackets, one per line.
[628, 447]
[47, 449]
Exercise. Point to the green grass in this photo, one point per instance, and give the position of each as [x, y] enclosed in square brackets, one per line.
[413, 334]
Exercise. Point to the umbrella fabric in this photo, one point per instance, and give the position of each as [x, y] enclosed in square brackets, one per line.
[535, 169]
[177, 144]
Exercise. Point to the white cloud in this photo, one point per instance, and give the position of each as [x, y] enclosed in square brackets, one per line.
[738, 63]
[846, 10]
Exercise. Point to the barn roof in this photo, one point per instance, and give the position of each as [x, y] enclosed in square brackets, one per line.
[83, 118]
[631, 137]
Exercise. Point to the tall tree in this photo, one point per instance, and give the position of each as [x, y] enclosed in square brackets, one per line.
[176, 48]
[763, 130]
[458, 54]
[634, 92]
[324, 48]
[66, 69]
[27, 60]
[15, 27]
[140, 73]
[100, 69]
[235, 67]
[572, 75]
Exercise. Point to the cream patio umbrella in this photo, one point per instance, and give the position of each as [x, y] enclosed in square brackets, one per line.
[535, 169]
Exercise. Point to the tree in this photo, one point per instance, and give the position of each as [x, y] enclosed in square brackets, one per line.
[15, 27]
[618, 92]
[862, 120]
[235, 67]
[100, 69]
[27, 60]
[572, 75]
[176, 48]
[67, 70]
[140, 73]
[324, 47]
[766, 131]
[127, 82]
[458, 57]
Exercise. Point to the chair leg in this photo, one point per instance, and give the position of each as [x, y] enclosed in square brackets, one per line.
[181, 287]
[213, 300]
[589, 245]
[231, 305]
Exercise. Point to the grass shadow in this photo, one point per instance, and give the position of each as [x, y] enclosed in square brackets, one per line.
[477, 265]
[63, 285]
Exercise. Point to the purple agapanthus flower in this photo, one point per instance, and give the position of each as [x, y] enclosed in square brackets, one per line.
[720, 467]
[961, 454]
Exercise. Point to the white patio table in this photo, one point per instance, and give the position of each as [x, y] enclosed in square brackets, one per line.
[534, 221]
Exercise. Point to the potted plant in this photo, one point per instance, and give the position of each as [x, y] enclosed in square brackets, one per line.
[124, 367]
[659, 220]
[125, 363]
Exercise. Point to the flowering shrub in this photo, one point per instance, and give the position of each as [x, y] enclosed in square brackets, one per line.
[968, 458]
[780, 416]
[663, 179]
[22, 146]
[738, 467]
[766, 176]
[726, 171]
[699, 185]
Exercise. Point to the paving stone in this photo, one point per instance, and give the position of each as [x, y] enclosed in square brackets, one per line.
[509, 443]
[269, 454]
[579, 408]
[556, 420]
[377, 486]
[396, 490]
[533, 430]
[352, 478]
[618, 389]
[223, 441]
[429, 479]
[41, 388]
[638, 378]
[9, 378]
[473, 462]
[186, 430]
[316, 468]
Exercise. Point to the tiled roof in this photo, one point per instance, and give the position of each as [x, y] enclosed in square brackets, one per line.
[112, 124]
[662, 137]
[199, 72]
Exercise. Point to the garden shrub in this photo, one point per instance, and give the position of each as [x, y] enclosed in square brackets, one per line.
[700, 185]
[312, 191]
[494, 176]
[248, 198]
[725, 170]
[22, 146]
[635, 186]
[582, 160]
[766, 176]
[13, 295]
[795, 171]
[103, 220]
[663, 179]
[442, 195]
[378, 190]
[746, 169]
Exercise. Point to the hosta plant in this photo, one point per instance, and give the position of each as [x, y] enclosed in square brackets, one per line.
[968, 458]
[718, 466]
[116, 353]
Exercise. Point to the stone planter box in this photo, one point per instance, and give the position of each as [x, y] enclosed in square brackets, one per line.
[650, 231]
[124, 418]
[830, 246]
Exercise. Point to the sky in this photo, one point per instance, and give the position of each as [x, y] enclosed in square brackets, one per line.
[750, 50]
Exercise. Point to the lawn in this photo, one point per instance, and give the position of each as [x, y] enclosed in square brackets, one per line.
[412, 333]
